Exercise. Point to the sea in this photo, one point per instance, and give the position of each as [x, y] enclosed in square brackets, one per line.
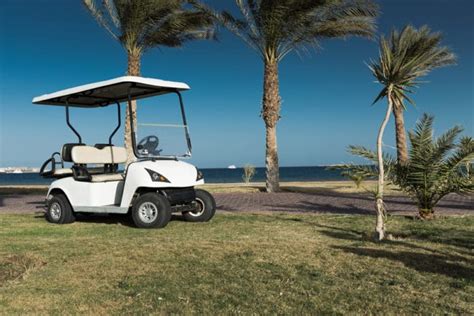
[214, 175]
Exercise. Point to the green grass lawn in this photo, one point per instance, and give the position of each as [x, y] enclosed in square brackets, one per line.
[237, 263]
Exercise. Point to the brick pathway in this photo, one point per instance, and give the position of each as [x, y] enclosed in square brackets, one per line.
[334, 203]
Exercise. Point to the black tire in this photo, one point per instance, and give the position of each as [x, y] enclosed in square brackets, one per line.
[59, 210]
[151, 202]
[206, 208]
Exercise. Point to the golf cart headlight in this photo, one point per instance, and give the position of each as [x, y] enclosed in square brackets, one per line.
[200, 176]
[156, 177]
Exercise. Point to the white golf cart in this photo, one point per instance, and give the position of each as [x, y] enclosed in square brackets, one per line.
[151, 188]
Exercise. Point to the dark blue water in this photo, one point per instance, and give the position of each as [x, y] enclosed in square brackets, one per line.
[218, 175]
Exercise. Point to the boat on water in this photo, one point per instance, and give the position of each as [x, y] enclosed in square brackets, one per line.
[17, 171]
[232, 167]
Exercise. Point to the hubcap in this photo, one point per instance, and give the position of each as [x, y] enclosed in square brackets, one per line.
[200, 208]
[147, 212]
[55, 211]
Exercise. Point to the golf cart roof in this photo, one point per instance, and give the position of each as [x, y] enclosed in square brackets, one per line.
[108, 92]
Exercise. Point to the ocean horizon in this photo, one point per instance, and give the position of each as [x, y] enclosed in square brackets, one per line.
[211, 175]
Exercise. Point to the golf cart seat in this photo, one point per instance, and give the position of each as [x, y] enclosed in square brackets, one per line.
[66, 157]
[107, 156]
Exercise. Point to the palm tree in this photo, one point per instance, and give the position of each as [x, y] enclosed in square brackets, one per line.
[276, 28]
[434, 168]
[405, 57]
[142, 24]
[465, 143]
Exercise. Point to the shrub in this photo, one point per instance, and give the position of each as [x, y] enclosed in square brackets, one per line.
[249, 173]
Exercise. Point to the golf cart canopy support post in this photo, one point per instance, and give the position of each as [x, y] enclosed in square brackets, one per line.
[70, 125]
[119, 123]
[119, 119]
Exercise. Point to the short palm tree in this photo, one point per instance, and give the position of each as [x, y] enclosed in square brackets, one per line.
[276, 28]
[435, 167]
[405, 57]
[465, 143]
[143, 24]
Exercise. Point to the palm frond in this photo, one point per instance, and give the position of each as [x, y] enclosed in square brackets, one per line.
[99, 16]
[407, 55]
[276, 28]
[142, 24]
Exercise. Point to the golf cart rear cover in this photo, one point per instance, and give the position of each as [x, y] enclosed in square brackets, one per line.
[108, 92]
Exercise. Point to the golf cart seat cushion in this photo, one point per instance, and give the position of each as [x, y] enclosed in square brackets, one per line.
[107, 177]
[67, 149]
[92, 155]
[62, 172]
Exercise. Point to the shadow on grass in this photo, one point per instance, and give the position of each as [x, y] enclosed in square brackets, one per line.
[437, 261]
[458, 238]
[112, 219]
[422, 262]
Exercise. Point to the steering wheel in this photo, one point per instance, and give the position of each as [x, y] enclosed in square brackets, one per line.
[150, 144]
[52, 161]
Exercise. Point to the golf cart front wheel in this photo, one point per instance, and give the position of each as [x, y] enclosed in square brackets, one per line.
[151, 210]
[59, 211]
[205, 208]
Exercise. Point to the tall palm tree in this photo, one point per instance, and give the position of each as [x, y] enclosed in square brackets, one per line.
[405, 57]
[276, 28]
[142, 24]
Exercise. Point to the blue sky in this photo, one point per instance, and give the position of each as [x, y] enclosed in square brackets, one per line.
[48, 45]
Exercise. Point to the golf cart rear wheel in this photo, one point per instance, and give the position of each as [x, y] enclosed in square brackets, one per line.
[205, 208]
[151, 210]
[59, 211]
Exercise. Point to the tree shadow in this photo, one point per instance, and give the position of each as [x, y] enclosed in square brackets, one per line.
[4, 196]
[323, 208]
[355, 235]
[422, 262]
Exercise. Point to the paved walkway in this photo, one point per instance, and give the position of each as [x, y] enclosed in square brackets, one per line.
[335, 203]
[327, 202]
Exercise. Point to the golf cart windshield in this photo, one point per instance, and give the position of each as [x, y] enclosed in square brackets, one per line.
[161, 128]
[149, 136]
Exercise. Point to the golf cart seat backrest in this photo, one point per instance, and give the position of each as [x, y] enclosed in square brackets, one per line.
[83, 155]
[67, 149]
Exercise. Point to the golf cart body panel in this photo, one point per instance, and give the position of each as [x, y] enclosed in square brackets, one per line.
[102, 188]
[89, 194]
[147, 174]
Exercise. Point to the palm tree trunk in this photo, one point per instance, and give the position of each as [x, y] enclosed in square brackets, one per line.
[133, 70]
[426, 213]
[379, 204]
[271, 115]
[402, 151]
